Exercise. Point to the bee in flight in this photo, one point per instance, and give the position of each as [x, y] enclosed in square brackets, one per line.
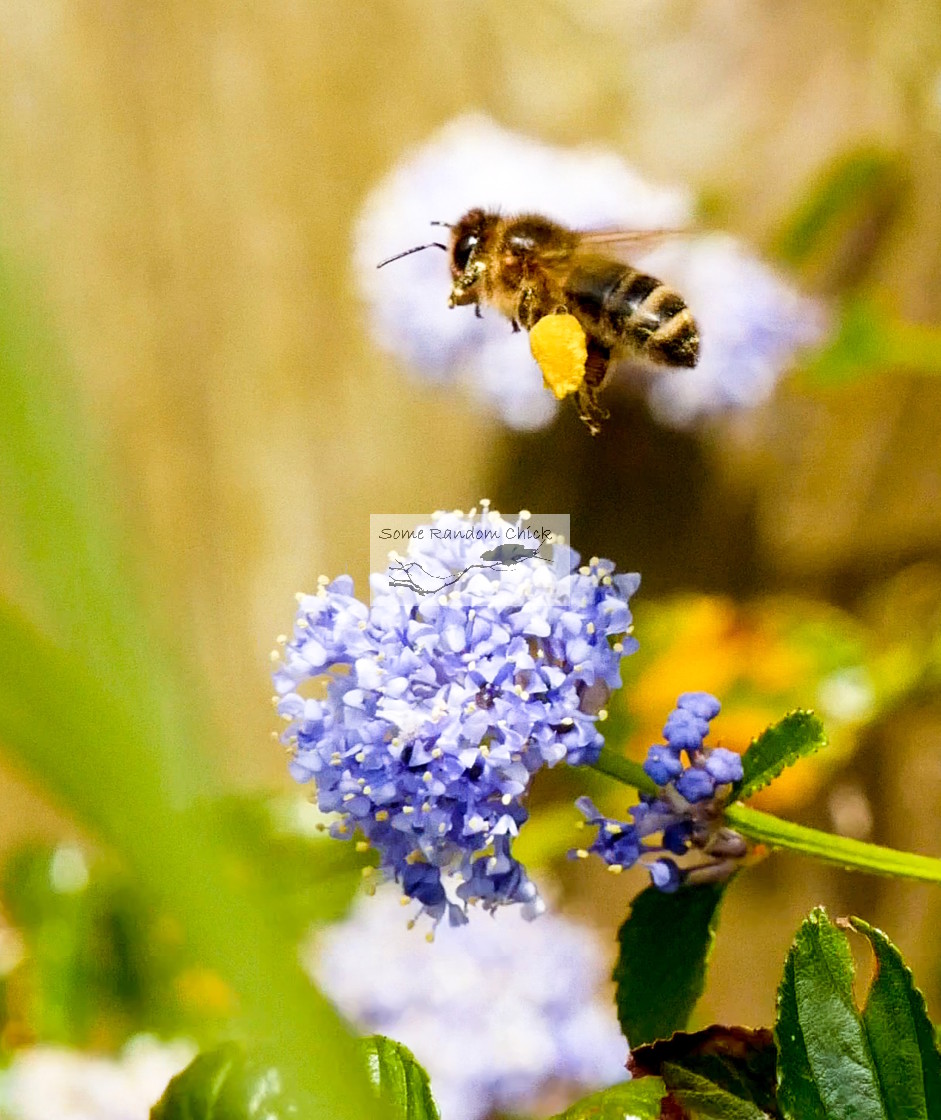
[585, 308]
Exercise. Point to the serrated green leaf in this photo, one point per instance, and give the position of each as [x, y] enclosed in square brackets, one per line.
[827, 1069]
[900, 1034]
[798, 1096]
[639, 1098]
[796, 736]
[703, 1098]
[400, 1079]
[225, 1084]
[661, 969]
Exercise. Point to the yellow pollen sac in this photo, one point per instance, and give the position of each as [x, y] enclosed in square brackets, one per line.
[558, 345]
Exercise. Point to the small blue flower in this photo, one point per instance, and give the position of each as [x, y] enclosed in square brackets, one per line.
[682, 813]
[431, 712]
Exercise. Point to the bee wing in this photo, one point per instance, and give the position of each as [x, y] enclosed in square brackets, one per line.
[614, 242]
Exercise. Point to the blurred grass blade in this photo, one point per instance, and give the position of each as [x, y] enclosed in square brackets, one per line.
[97, 710]
[838, 230]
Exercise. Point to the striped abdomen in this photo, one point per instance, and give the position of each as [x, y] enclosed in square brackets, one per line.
[628, 310]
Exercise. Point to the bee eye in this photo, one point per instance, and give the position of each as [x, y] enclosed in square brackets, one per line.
[463, 249]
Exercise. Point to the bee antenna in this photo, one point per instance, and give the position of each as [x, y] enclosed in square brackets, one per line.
[447, 225]
[417, 249]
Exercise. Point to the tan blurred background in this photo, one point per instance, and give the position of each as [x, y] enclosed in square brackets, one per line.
[182, 178]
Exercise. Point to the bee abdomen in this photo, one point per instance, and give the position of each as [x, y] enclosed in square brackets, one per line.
[653, 318]
[628, 309]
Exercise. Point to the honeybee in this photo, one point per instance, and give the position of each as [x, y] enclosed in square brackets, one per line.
[529, 267]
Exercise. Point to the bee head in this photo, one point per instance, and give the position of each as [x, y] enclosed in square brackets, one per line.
[469, 239]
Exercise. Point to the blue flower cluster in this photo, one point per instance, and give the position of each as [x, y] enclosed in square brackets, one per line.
[683, 813]
[435, 708]
[503, 1014]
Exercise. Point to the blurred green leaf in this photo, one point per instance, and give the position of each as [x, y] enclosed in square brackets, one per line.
[638, 1098]
[834, 1063]
[225, 1084]
[664, 946]
[229, 1084]
[782, 744]
[400, 1079]
[872, 340]
[837, 231]
[100, 712]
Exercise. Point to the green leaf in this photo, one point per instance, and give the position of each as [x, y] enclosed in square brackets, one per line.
[661, 969]
[872, 339]
[837, 232]
[837, 1064]
[112, 722]
[705, 1099]
[400, 1079]
[900, 1033]
[639, 1098]
[228, 1084]
[799, 734]
[225, 1084]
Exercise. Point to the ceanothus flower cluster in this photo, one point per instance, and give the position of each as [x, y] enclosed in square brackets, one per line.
[438, 702]
[683, 813]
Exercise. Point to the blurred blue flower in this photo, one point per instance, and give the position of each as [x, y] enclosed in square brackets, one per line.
[436, 708]
[682, 813]
[751, 321]
[499, 1012]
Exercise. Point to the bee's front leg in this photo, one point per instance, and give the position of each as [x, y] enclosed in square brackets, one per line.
[534, 302]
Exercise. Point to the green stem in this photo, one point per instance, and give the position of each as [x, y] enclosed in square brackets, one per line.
[853, 855]
[624, 770]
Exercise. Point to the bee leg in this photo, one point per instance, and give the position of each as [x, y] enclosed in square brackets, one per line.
[477, 311]
[530, 308]
[590, 412]
[515, 326]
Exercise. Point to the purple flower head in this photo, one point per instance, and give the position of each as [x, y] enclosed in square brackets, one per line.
[422, 718]
[499, 1012]
[682, 813]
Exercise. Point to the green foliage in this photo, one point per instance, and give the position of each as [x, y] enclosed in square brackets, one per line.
[639, 1098]
[870, 340]
[98, 708]
[229, 1084]
[836, 231]
[704, 1098]
[102, 963]
[797, 735]
[400, 1079]
[732, 1064]
[225, 1084]
[836, 1063]
[664, 946]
